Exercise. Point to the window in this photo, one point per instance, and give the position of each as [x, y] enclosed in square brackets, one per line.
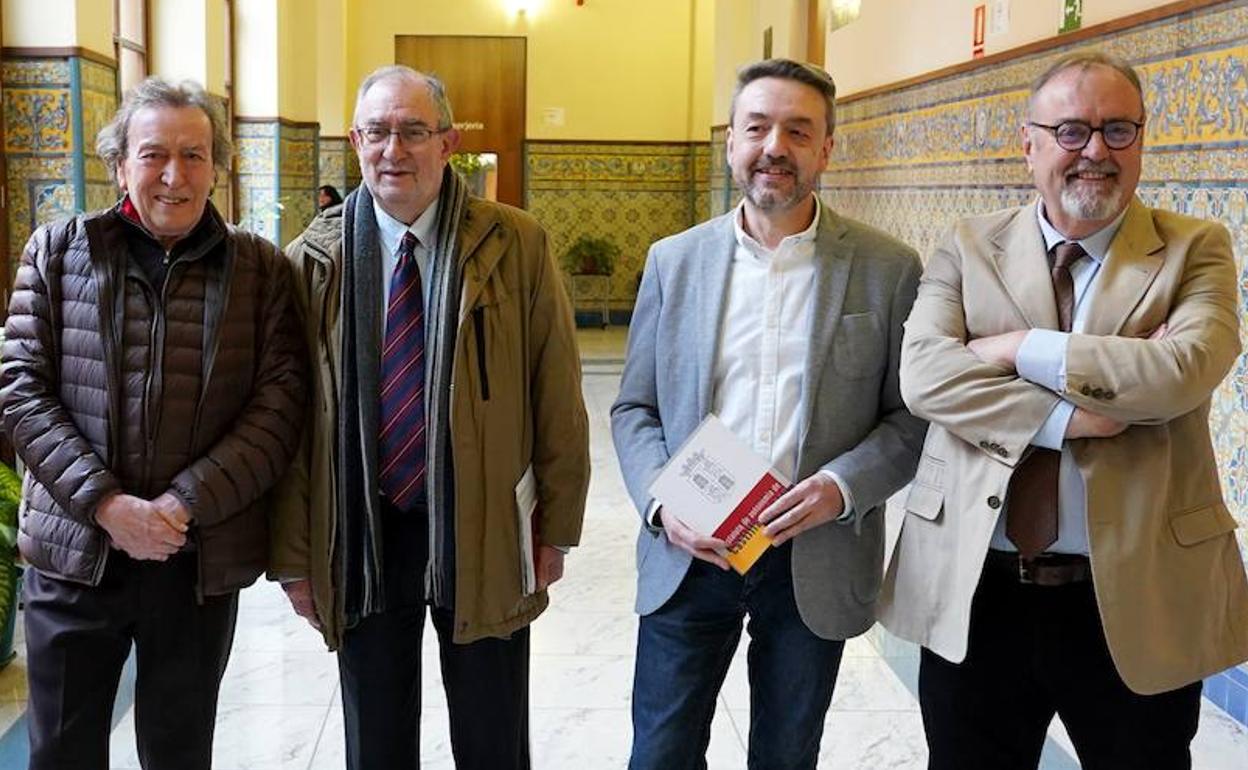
[130, 41]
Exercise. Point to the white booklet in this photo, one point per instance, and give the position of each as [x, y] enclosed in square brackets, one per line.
[526, 505]
[717, 485]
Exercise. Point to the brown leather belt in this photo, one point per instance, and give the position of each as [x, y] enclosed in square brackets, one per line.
[1047, 569]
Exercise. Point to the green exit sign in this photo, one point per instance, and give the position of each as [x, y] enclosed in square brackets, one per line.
[1072, 15]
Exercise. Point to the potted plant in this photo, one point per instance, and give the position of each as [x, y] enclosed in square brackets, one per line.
[10, 498]
[591, 256]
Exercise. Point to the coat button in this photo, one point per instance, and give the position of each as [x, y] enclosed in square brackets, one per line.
[1002, 451]
[994, 502]
[1086, 390]
[985, 445]
[1108, 395]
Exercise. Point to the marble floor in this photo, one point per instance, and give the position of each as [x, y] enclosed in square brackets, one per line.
[280, 705]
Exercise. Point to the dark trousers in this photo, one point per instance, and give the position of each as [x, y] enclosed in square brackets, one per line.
[486, 682]
[1036, 651]
[77, 640]
[683, 653]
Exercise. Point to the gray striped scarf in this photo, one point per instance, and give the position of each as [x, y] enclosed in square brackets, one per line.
[359, 548]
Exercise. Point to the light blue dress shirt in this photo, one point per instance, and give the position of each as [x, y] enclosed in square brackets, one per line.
[1042, 359]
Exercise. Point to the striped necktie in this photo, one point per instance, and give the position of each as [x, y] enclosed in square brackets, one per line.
[402, 434]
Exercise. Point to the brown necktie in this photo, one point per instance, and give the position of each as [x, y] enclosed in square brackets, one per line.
[1031, 502]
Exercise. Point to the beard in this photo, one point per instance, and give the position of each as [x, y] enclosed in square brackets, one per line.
[1079, 202]
[769, 199]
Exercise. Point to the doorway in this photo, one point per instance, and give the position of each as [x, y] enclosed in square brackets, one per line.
[485, 79]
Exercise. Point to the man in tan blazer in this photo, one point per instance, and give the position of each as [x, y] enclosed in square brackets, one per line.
[1065, 547]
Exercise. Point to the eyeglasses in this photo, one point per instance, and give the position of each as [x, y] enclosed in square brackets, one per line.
[410, 136]
[1074, 135]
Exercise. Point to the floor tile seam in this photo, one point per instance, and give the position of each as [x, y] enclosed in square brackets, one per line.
[320, 734]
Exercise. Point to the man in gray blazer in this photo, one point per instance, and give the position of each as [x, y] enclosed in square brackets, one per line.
[785, 320]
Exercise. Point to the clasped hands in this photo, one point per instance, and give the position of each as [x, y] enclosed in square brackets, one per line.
[814, 501]
[145, 529]
[1002, 350]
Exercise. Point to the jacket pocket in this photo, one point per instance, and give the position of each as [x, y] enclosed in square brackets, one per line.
[478, 325]
[1202, 524]
[858, 348]
[927, 494]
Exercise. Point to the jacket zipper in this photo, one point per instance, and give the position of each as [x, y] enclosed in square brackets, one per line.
[478, 323]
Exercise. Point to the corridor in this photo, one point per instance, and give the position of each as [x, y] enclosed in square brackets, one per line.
[280, 706]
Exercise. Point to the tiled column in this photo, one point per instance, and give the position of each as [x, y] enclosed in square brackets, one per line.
[277, 176]
[339, 164]
[53, 109]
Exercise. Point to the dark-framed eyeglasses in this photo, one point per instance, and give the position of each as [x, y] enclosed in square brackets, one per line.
[410, 136]
[1074, 135]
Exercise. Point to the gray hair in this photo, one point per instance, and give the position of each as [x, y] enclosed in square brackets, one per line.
[437, 89]
[787, 69]
[112, 143]
[1082, 61]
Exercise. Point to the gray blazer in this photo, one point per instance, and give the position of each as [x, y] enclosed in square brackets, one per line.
[853, 420]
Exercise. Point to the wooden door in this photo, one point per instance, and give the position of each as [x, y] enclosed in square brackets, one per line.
[485, 79]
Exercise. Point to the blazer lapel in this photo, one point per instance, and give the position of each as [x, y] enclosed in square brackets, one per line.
[1020, 259]
[1133, 261]
[834, 255]
[714, 265]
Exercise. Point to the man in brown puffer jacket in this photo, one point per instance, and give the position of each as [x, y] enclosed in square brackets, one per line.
[153, 383]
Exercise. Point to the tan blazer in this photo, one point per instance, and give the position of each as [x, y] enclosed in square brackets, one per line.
[1169, 579]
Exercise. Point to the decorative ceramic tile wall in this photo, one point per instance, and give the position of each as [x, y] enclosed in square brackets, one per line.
[632, 193]
[298, 161]
[339, 164]
[53, 109]
[277, 177]
[914, 160]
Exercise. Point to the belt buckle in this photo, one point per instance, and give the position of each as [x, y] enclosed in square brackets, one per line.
[1024, 570]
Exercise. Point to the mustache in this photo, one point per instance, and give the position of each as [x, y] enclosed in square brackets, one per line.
[770, 164]
[1094, 167]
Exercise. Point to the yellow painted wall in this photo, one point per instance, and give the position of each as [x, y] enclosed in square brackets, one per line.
[897, 39]
[702, 64]
[297, 25]
[736, 43]
[787, 19]
[214, 45]
[620, 69]
[59, 24]
[95, 25]
[255, 29]
[331, 60]
[179, 40]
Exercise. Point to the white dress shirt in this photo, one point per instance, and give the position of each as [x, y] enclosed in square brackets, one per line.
[1042, 359]
[760, 365]
[390, 232]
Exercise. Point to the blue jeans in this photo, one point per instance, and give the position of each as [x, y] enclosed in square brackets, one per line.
[683, 652]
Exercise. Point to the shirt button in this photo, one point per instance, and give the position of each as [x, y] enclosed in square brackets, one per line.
[994, 502]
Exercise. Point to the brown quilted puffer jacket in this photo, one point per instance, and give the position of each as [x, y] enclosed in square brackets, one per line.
[105, 389]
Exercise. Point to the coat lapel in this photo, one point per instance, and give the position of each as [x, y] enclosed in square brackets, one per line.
[714, 265]
[1133, 261]
[1020, 258]
[834, 256]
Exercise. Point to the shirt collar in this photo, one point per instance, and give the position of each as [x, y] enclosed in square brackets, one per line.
[747, 241]
[392, 230]
[1096, 245]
